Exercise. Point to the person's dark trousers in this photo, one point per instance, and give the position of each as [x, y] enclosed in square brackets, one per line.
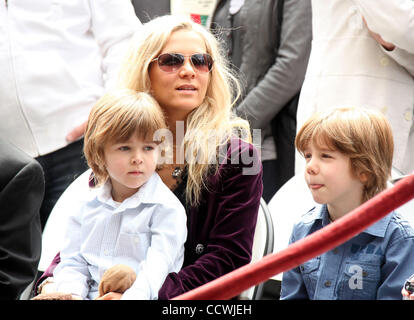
[60, 168]
[270, 179]
[277, 172]
[146, 10]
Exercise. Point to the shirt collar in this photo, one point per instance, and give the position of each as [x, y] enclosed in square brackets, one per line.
[147, 193]
[377, 229]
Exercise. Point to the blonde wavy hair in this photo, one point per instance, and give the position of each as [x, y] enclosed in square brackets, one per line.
[214, 115]
[115, 117]
[364, 135]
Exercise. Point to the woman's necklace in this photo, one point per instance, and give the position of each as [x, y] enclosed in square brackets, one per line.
[177, 172]
[171, 174]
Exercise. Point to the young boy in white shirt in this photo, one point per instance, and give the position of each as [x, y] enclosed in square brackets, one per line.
[132, 218]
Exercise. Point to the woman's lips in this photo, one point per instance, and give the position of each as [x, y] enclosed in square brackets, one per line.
[187, 87]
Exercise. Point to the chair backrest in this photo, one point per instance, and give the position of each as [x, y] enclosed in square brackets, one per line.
[407, 209]
[262, 246]
[55, 228]
[289, 203]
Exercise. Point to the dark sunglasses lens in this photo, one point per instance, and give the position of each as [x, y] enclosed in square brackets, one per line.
[170, 62]
[202, 62]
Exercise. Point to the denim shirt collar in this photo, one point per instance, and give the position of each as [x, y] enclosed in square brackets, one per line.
[378, 229]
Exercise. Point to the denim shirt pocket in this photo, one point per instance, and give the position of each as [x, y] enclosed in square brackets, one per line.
[310, 274]
[360, 281]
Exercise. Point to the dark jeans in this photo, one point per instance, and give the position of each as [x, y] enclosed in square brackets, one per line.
[60, 168]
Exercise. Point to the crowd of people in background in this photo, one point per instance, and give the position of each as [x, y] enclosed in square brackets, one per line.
[259, 74]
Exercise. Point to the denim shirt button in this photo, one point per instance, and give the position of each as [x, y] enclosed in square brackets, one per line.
[327, 283]
[364, 274]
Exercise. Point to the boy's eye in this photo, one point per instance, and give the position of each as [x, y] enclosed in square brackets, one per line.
[325, 155]
[148, 148]
[308, 155]
[124, 148]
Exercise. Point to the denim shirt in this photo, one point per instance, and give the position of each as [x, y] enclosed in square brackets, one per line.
[372, 265]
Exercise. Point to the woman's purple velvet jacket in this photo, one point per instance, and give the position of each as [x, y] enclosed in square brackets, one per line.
[221, 228]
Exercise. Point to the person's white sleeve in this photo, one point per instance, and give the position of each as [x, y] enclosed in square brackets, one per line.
[403, 58]
[71, 274]
[393, 20]
[113, 24]
[165, 254]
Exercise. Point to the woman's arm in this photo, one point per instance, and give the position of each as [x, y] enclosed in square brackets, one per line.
[284, 78]
[392, 19]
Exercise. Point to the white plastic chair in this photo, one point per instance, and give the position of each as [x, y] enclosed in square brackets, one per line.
[289, 203]
[262, 246]
[407, 209]
[55, 228]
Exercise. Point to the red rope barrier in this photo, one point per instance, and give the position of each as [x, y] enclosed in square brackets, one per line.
[331, 236]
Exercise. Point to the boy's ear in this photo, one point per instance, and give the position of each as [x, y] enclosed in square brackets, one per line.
[363, 177]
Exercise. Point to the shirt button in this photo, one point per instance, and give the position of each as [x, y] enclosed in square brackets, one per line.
[136, 239]
[384, 61]
[199, 248]
[327, 283]
[408, 115]
[106, 252]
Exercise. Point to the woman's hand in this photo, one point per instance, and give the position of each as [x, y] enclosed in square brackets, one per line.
[387, 45]
[76, 132]
[406, 295]
[110, 296]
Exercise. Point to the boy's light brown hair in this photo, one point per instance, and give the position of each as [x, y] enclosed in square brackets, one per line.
[114, 118]
[364, 135]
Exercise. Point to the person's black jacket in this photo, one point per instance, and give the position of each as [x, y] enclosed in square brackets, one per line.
[21, 194]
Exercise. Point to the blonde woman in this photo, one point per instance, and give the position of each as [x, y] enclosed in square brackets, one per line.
[181, 65]
[215, 173]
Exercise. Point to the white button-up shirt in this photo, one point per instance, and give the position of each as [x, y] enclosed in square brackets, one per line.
[147, 232]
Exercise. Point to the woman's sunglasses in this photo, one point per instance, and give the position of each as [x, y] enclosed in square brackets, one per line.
[171, 62]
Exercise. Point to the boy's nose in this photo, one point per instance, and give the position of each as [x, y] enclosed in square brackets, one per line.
[137, 158]
[311, 167]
